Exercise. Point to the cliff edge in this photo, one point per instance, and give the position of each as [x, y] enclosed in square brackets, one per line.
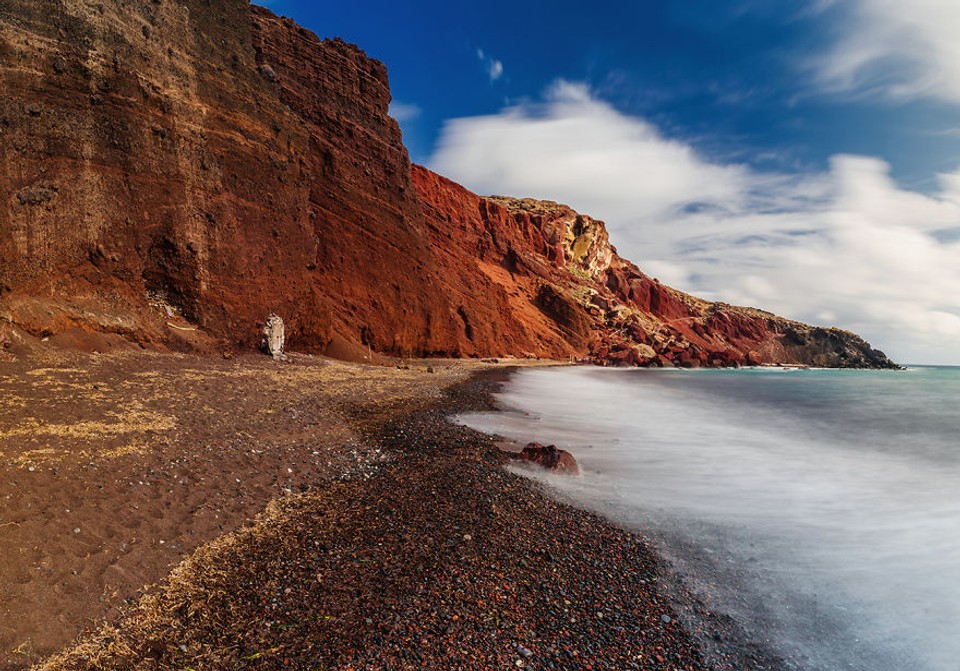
[175, 171]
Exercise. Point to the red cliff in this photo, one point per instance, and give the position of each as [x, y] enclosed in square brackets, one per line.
[563, 280]
[174, 172]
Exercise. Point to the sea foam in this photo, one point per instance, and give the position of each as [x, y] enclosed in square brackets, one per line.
[821, 509]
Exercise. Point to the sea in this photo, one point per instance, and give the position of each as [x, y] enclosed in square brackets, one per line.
[820, 509]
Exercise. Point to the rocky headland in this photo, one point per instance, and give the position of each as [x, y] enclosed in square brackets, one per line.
[175, 171]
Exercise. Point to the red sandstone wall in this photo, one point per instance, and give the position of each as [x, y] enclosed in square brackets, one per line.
[143, 154]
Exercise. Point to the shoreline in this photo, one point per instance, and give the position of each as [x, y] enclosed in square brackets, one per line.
[114, 468]
[721, 641]
[432, 557]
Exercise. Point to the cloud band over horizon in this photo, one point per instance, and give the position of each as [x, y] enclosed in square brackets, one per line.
[846, 247]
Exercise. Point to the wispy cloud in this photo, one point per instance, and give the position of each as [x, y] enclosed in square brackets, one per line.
[492, 66]
[403, 112]
[946, 132]
[847, 247]
[897, 49]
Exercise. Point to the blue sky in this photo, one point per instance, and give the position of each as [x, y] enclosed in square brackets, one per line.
[803, 157]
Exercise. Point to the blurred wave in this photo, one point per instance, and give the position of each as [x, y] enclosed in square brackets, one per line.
[820, 508]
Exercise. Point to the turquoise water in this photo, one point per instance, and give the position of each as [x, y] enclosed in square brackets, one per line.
[819, 508]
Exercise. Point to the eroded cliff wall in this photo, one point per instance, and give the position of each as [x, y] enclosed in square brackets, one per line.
[174, 171]
[210, 158]
[562, 276]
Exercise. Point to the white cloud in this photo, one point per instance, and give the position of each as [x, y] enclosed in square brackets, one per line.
[595, 139]
[900, 49]
[493, 66]
[847, 246]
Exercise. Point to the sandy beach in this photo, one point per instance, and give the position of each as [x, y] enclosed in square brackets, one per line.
[173, 512]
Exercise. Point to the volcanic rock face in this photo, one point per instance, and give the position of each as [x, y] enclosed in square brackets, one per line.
[173, 170]
[211, 157]
[558, 271]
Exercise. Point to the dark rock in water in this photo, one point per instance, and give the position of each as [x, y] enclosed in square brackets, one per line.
[550, 458]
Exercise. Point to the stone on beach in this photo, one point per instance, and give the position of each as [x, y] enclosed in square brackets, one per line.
[550, 458]
[274, 336]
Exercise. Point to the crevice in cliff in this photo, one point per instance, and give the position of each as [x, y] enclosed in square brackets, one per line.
[167, 275]
[465, 321]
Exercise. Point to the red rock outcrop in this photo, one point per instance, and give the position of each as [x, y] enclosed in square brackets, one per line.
[560, 275]
[174, 171]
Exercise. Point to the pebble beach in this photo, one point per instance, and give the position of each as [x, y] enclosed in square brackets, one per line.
[405, 545]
